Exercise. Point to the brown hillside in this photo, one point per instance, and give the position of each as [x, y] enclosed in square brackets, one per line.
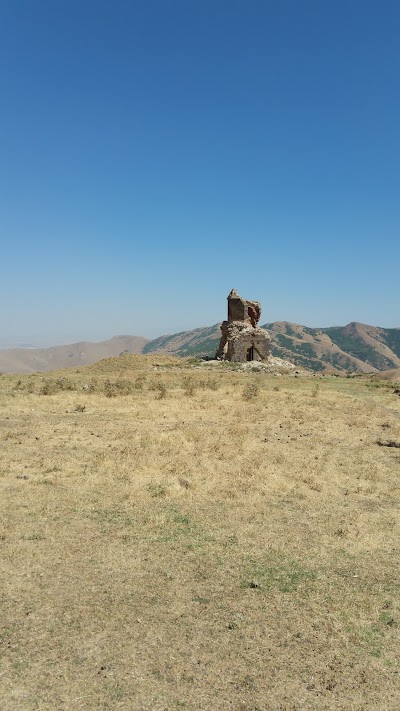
[321, 348]
[392, 375]
[31, 360]
[372, 336]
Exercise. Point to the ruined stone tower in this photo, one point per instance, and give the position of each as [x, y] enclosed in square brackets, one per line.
[241, 339]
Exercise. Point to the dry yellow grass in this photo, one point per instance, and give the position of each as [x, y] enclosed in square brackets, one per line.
[191, 546]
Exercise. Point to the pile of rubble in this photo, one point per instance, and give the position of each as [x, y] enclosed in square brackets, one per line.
[272, 365]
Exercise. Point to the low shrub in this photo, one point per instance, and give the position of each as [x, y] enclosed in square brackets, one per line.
[118, 387]
[139, 382]
[189, 387]
[209, 384]
[250, 391]
[161, 390]
[49, 387]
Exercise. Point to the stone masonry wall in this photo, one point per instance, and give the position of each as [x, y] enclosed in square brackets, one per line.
[241, 339]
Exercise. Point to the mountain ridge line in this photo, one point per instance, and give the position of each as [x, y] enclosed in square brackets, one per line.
[356, 348]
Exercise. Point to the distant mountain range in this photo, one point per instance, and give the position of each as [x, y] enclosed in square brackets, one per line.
[34, 360]
[355, 348]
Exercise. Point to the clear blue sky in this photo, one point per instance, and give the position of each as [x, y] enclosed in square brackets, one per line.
[155, 154]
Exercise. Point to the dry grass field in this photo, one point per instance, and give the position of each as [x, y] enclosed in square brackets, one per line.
[174, 537]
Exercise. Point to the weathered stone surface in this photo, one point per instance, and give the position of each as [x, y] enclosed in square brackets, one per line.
[242, 310]
[241, 339]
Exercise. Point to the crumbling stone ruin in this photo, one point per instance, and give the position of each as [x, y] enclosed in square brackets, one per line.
[241, 338]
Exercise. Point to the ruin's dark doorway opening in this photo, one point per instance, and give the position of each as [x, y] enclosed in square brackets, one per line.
[250, 354]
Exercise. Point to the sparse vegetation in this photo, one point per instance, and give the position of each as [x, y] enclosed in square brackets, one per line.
[315, 391]
[161, 389]
[179, 544]
[189, 386]
[250, 391]
[118, 387]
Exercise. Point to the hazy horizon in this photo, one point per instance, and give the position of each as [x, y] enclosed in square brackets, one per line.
[107, 337]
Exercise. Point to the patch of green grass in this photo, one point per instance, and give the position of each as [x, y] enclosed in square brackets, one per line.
[114, 517]
[277, 571]
[387, 619]
[378, 385]
[175, 526]
[157, 490]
